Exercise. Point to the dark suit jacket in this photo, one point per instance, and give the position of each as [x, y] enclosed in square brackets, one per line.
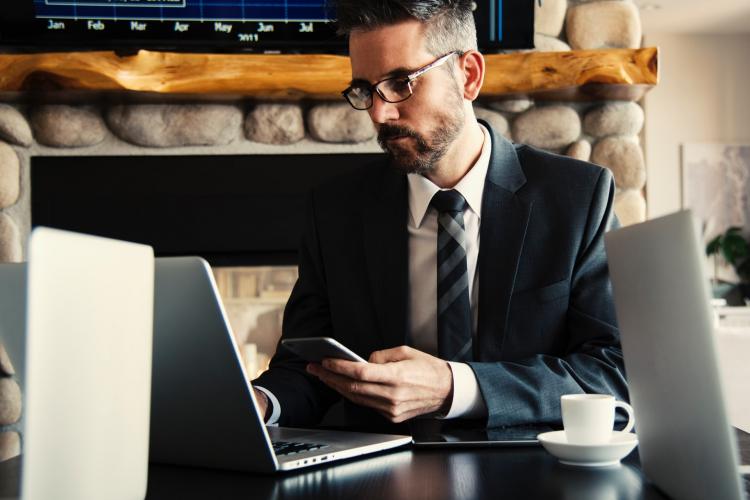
[546, 323]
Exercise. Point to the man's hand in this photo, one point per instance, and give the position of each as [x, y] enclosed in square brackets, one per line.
[400, 383]
[262, 400]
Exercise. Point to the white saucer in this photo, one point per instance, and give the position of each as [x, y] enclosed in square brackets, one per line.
[589, 455]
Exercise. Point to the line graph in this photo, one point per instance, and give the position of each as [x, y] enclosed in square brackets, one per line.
[185, 10]
[118, 3]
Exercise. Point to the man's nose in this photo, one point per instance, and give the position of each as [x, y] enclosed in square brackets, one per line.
[382, 111]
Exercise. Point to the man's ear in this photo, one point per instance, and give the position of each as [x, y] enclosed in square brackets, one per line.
[472, 67]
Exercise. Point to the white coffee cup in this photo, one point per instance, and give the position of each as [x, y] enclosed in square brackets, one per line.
[590, 418]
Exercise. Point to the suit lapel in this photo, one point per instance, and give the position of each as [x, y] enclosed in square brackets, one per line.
[505, 217]
[386, 254]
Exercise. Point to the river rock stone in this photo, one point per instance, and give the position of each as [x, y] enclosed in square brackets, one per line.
[13, 126]
[544, 43]
[10, 240]
[580, 150]
[615, 118]
[176, 125]
[607, 24]
[63, 126]
[630, 207]
[549, 17]
[10, 401]
[6, 367]
[272, 123]
[10, 445]
[10, 176]
[339, 122]
[624, 157]
[548, 127]
[511, 105]
[497, 121]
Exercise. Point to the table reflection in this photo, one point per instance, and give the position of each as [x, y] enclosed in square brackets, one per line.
[527, 472]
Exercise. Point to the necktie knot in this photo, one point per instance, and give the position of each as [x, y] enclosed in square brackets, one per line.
[448, 201]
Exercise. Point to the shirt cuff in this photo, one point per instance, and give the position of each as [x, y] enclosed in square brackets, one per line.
[275, 406]
[467, 398]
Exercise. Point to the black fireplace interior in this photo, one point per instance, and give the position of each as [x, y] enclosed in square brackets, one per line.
[231, 210]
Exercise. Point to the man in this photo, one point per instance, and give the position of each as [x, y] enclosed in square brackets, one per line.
[470, 271]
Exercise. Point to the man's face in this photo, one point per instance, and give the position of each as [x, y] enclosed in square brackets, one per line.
[416, 133]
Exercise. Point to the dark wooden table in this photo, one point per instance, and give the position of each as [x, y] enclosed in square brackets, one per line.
[506, 473]
[523, 473]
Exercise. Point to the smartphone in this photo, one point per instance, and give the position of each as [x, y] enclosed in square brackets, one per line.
[314, 349]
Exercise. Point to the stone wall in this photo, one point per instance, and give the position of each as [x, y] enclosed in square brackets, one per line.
[10, 409]
[602, 132]
[606, 133]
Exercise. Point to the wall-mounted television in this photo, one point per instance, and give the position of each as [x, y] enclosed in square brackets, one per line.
[216, 25]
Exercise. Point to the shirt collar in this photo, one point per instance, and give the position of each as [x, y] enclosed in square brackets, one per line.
[471, 186]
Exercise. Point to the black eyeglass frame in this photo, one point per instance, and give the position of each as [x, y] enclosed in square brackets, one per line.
[408, 79]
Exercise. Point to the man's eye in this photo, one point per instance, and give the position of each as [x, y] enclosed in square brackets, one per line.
[397, 88]
[360, 91]
[401, 84]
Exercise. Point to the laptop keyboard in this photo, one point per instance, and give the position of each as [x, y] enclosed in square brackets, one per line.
[290, 447]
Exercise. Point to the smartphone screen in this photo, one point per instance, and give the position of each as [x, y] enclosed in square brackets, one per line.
[315, 349]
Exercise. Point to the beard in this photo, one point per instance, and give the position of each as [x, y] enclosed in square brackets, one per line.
[425, 151]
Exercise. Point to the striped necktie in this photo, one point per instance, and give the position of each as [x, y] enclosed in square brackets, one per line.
[453, 311]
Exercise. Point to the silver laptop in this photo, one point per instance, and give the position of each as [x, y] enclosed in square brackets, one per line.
[687, 447]
[86, 386]
[203, 410]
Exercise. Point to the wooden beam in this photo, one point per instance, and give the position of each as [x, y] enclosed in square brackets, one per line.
[566, 74]
[543, 71]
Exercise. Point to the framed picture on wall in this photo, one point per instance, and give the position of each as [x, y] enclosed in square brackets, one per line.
[716, 186]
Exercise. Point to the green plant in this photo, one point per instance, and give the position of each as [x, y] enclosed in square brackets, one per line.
[733, 247]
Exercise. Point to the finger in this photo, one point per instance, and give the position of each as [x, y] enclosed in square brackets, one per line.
[369, 402]
[379, 398]
[313, 368]
[400, 353]
[392, 400]
[346, 385]
[400, 414]
[367, 372]
[405, 411]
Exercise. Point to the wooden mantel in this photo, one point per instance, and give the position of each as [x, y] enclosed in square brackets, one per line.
[582, 74]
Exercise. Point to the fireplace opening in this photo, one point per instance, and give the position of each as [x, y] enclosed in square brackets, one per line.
[232, 210]
[243, 214]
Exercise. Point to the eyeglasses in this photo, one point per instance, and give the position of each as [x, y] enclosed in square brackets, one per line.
[393, 89]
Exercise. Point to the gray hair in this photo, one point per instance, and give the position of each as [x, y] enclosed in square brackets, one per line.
[450, 23]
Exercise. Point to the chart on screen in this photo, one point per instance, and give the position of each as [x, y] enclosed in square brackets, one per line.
[238, 21]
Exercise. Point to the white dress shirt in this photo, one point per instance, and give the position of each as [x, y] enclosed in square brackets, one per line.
[422, 226]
